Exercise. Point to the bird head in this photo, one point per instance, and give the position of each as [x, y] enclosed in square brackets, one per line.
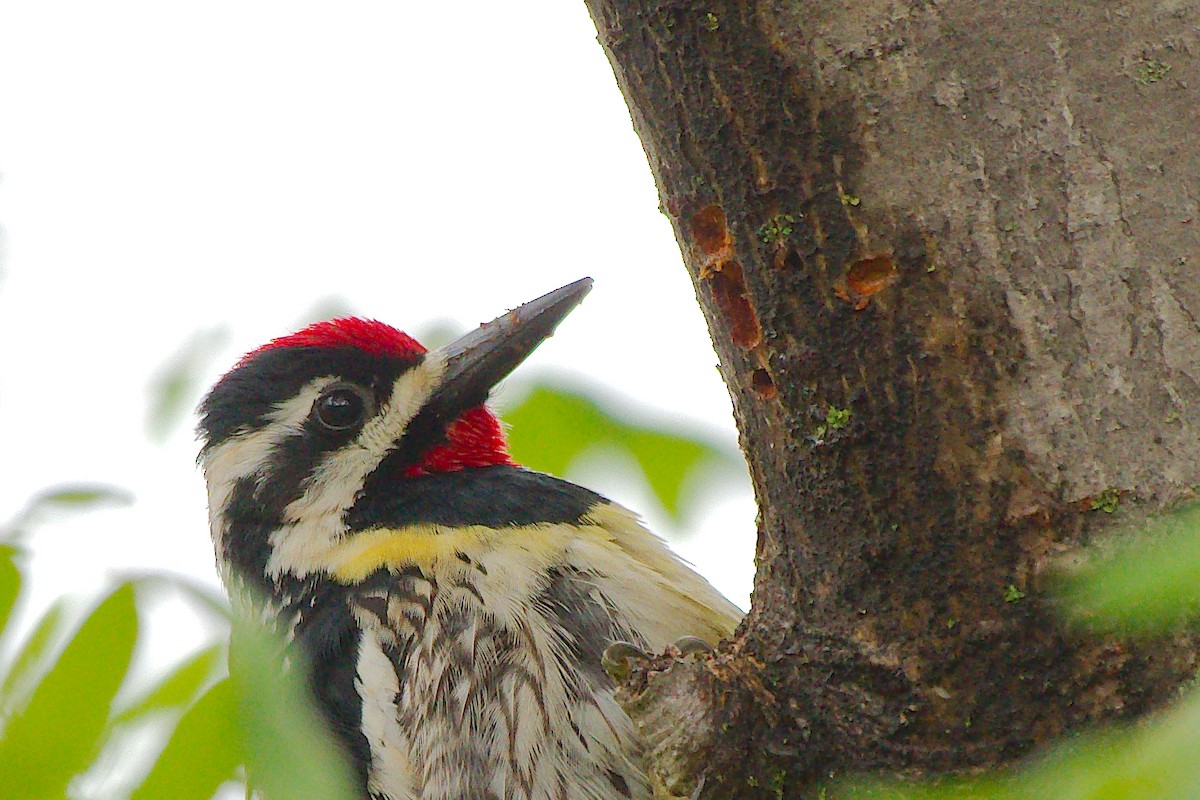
[302, 429]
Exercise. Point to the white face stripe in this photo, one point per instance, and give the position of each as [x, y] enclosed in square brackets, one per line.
[314, 522]
[246, 453]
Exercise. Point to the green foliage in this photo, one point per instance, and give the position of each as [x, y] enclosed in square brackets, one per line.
[776, 229]
[1107, 501]
[555, 425]
[62, 727]
[179, 688]
[57, 733]
[1012, 594]
[288, 752]
[837, 418]
[65, 498]
[1150, 70]
[202, 753]
[82, 497]
[10, 582]
[32, 659]
[260, 717]
[1148, 584]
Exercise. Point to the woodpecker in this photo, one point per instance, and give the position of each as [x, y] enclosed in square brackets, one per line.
[452, 606]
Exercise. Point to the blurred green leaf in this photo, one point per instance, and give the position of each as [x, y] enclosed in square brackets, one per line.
[553, 426]
[201, 595]
[69, 497]
[262, 716]
[203, 752]
[550, 428]
[176, 388]
[667, 461]
[56, 736]
[179, 687]
[33, 657]
[81, 497]
[10, 585]
[1148, 584]
[290, 753]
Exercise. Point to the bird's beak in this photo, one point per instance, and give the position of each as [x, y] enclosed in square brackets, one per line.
[476, 362]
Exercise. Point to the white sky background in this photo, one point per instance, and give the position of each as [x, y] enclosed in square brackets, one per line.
[168, 168]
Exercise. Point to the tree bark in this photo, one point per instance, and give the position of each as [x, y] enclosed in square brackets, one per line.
[945, 251]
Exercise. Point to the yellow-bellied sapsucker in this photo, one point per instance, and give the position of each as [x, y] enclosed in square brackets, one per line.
[453, 607]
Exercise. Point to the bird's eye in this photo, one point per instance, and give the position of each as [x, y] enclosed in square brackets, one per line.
[342, 406]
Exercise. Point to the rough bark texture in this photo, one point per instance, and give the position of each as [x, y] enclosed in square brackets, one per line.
[946, 251]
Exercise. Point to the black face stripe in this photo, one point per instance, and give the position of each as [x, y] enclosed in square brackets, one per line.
[245, 540]
[427, 429]
[329, 637]
[500, 496]
[245, 398]
[293, 462]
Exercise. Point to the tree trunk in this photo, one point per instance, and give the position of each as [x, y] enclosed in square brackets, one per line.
[943, 251]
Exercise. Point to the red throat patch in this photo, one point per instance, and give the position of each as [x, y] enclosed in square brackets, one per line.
[475, 439]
